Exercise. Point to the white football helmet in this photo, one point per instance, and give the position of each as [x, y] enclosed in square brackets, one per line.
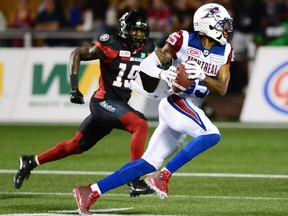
[214, 21]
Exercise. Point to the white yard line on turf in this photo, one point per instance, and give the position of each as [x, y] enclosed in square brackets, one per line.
[98, 212]
[240, 125]
[219, 175]
[148, 196]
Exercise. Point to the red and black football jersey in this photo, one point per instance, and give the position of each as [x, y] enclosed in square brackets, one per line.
[121, 66]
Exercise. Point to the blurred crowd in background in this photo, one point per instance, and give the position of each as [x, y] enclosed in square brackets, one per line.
[256, 23]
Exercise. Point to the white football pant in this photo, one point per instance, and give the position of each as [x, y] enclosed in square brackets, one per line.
[174, 125]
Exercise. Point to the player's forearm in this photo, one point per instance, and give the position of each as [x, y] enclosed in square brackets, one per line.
[74, 62]
[74, 65]
[215, 86]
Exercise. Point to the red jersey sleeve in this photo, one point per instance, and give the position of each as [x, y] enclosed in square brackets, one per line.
[110, 53]
[106, 43]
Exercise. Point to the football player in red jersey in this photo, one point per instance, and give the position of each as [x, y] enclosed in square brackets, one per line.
[120, 56]
[208, 55]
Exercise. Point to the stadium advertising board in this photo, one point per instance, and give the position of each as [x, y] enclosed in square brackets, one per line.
[11, 69]
[35, 86]
[267, 94]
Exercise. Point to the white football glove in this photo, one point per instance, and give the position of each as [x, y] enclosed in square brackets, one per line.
[168, 75]
[194, 70]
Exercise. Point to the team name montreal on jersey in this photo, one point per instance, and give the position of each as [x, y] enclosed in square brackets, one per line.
[208, 68]
[186, 48]
[211, 68]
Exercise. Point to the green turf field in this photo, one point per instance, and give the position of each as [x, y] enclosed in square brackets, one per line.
[245, 174]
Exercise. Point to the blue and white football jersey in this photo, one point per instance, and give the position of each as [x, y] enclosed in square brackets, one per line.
[188, 46]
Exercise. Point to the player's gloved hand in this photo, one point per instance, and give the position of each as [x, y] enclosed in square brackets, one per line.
[194, 70]
[76, 96]
[168, 75]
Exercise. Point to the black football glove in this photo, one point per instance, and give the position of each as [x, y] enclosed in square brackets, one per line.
[76, 96]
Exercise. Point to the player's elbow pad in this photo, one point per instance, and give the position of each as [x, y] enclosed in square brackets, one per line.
[149, 65]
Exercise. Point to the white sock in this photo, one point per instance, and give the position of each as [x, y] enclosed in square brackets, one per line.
[165, 169]
[36, 159]
[94, 187]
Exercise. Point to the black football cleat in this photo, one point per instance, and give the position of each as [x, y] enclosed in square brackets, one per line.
[138, 187]
[27, 163]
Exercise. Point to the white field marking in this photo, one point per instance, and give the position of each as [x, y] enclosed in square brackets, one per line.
[71, 213]
[33, 214]
[96, 210]
[154, 123]
[216, 175]
[239, 125]
[56, 214]
[149, 196]
[251, 125]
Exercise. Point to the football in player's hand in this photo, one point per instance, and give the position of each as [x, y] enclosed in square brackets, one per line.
[181, 83]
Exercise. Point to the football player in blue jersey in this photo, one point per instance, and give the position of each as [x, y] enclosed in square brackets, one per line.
[120, 56]
[208, 56]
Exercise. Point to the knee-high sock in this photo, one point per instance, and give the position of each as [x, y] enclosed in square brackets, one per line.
[125, 174]
[61, 150]
[138, 140]
[139, 129]
[191, 150]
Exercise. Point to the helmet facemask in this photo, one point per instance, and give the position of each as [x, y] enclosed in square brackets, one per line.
[225, 26]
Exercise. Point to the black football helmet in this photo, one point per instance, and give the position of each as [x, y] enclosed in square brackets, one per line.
[134, 20]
